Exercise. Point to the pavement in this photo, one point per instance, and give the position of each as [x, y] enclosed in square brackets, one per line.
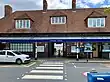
[70, 60]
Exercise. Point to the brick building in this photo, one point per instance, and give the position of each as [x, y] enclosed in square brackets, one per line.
[45, 32]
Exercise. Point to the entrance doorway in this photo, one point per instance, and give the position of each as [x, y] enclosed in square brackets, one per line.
[55, 49]
[58, 49]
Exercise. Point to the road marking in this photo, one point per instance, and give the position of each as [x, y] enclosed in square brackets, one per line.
[85, 73]
[26, 72]
[18, 78]
[84, 67]
[4, 66]
[49, 67]
[46, 71]
[74, 66]
[52, 63]
[30, 64]
[94, 67]
[65, 75]
[65, 79]
[43, 77]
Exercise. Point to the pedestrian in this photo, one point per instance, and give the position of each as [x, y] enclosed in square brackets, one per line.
[59, 52]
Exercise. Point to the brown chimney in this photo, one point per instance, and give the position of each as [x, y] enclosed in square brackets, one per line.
[8, 10]
[45, 5]
[73, 4]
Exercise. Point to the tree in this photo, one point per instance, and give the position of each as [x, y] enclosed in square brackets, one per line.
[107, 10]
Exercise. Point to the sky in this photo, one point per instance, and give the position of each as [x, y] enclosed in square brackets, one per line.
[52, 4]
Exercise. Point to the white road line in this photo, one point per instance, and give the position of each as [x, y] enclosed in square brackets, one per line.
[84, 67]
[94, 67]
[52, 63]
[65, 79]
[49, 67]
[30, 65]
[26, 72]
[46, 71]
[65, 75]
[74, 66]
[51, 77]
[18, 78]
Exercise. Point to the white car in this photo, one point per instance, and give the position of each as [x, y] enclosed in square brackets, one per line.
[13, 56]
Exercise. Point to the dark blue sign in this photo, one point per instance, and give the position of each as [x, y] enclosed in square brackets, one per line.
[54, 40]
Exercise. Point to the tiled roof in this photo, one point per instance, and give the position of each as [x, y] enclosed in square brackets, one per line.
[41, 21]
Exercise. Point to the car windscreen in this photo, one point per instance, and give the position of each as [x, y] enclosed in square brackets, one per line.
[18, 53]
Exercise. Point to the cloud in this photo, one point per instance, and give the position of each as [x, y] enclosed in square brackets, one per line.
[24, 4]
[105, 6]
[21, 5]
[59, 4]
[1, 10]
[80, 4]
[92, 1]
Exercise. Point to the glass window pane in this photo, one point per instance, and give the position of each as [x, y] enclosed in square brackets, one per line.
[90, 22]
[23, 23]
[98, 22]
[2, 53]
[20, 23]
[94, 22]
[60, 21]
[52, 19]
[63, 19]
[27, 24]
[56, 19]
[102, 22]
[17, 23]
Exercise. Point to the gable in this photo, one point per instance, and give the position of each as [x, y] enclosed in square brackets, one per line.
[24, 16]
[95, 14]
[58, 13]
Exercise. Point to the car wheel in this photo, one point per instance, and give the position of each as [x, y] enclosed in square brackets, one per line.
[19, 61]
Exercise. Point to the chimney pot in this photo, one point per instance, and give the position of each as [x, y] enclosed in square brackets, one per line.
[8, 10]
[73, 4]
[45, 5]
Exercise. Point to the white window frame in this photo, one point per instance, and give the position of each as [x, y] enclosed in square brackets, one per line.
[19, 24]
[96, 19]
[53, 20]
[22, 47]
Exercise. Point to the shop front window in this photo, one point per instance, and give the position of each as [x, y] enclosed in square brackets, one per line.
[106, 47]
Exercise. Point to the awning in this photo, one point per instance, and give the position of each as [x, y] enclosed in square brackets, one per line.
[54, 39]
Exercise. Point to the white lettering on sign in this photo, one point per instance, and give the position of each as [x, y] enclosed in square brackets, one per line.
[100, 78]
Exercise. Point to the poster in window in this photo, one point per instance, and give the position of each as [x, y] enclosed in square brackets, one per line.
[88, 47]
[106, 47]
[74, 49]
[40, 48]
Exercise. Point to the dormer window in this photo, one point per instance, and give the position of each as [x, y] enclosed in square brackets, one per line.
[96, 22]
[58, 20]
[22, 24]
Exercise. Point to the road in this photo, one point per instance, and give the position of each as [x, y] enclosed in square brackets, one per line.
[50, 71]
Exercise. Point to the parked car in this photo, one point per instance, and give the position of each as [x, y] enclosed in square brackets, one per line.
[13, 56]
